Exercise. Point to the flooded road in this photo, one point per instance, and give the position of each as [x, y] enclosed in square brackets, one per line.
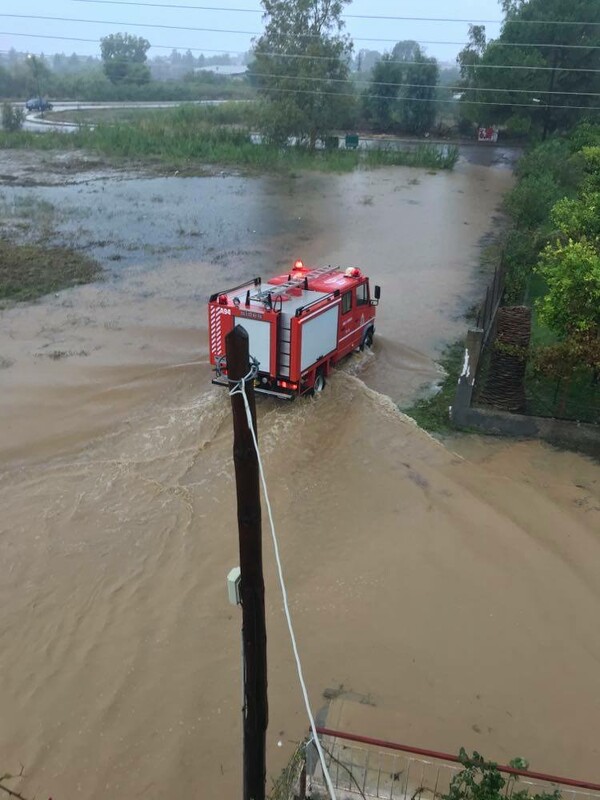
[456, 586]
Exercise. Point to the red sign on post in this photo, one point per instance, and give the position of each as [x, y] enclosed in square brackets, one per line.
[487, 134]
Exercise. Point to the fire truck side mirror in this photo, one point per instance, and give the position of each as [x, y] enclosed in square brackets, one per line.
[377, 295]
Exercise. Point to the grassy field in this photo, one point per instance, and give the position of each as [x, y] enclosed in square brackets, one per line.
[195, 135]
[30, 266]
[95, 116]
[29, 271]
[231, 113]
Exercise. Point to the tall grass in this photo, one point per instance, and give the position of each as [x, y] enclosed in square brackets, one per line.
[220, 134]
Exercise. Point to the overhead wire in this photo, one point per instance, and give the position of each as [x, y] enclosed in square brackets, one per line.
[389, 17]
[329, 80]
[298, 56]
[461, 89]
[428, 86]
[162, 26]
[352, 82]
[404, 85]
[437, 100]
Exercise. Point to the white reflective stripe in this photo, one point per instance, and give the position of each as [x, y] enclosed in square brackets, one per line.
[348, 335]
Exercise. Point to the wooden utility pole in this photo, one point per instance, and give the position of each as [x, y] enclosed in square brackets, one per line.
[252, 587]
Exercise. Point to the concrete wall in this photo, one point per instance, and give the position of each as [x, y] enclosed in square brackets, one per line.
[580, 435]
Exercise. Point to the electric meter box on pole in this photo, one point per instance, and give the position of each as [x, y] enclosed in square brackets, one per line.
[234, 579]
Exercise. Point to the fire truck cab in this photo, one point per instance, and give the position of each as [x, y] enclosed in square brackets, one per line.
[300, 325]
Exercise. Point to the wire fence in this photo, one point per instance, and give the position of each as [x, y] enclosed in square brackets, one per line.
[486, 314]
[506, 374]
[366, 768]
[576, 398]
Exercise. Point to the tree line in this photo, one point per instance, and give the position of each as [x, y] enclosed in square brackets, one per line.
[542, 74]
[122, 76]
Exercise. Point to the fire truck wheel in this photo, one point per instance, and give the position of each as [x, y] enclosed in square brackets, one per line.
[368, 340]
[320, 382]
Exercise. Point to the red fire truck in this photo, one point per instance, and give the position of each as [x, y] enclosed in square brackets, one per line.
[300, 325]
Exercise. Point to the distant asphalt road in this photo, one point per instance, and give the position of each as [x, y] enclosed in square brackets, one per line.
[35, 121]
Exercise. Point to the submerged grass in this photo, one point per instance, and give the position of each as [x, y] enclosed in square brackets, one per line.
[191, 135]
[431, 413]
[29, 271]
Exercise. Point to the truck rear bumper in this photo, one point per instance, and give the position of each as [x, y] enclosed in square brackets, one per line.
[259, 389]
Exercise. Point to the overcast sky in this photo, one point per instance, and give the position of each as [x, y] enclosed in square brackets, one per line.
[382, 33]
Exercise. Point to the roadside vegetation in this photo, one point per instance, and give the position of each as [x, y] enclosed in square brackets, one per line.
[482, 780]
[82, 79]
[190, 136]
[314, 83]
[552, 255]
[431, 412]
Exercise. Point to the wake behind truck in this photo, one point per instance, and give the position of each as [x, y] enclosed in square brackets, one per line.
[300, 325]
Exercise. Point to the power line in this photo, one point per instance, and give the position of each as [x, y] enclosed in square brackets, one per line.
[352, 82]
[435, 100]
[345, 16]
[297, 55]
[259, 33]
[415, 85]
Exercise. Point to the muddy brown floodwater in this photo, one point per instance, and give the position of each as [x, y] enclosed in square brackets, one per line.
[457, 585]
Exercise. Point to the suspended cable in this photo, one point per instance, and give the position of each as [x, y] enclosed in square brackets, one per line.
[344, 16]
[299, 56]
[259, 33]
[353, 82]
[436, 100]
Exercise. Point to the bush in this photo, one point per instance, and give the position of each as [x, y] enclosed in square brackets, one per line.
[482, 780]
[521, 251]
[553, 158]
[531, 201]
[518, 127]
[12, 117]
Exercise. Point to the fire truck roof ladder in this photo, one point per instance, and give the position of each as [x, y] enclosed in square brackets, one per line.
[254, 281]
[292, 283]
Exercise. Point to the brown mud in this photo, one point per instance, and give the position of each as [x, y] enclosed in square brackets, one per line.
[457, 586]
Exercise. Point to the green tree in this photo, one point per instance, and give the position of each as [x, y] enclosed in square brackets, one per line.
[407, 50]
[565, 59]
[572, 274]
[402, 90]
[579, 217]
[381, 99]
[39, 75]
[418, 101]
[124, 58]
[302, 66]
[468, 59]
